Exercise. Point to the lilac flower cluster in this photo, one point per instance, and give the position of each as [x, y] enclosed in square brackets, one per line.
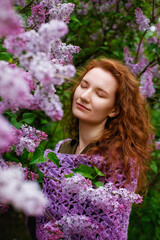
[147, 86]
[29, 175]
[77, 224]
[8, 135]
[37, 49]
[135, 68]
[24, 196]
[10, 22]
[157, 145]
[50, 231]
[141, 20]
[30, 139]
[14, 87]
[50, 10]
[38, 16]
[105, 198]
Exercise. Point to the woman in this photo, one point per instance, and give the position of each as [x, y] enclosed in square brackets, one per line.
[110, 130]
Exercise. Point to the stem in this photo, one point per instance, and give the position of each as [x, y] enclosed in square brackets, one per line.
[56, 179]
[28, 5]
[136, 58]
[49, 215]
[153, 9]
[151, 64]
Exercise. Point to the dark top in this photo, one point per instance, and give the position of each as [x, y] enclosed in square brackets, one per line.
[68, 147]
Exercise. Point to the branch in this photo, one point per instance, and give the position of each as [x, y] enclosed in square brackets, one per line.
[151, 64]
[56, 179]
[153, 9]
[28, 5]
[136, 58]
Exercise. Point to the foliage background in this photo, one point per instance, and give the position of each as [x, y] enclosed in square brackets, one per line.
[98, 33]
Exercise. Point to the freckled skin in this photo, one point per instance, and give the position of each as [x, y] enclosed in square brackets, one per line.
[94, 97]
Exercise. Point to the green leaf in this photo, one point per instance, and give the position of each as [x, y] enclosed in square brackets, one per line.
[28, 117]
[41, 159]
[154, 167]
[53, 157]
[84, 169]
[5, 56]
[69, 175]
[15, 123]
[37, 154]
[99, 173]
[73, 18]
[86, 175]
[98, 184]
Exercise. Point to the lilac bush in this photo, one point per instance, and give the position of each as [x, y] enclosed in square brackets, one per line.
[40, 61]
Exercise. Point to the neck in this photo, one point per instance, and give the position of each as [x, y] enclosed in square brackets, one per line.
[87, 134]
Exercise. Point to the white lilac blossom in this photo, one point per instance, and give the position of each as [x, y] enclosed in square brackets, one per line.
[10, 22]
[30, 139]
[106, 198]
[77, 224]
[48, 102]
[61, 11]
[62, 51]
[24, 195]
[35, 42]
[147, 86]
[141, 20]
[52, 31]
[14, 86]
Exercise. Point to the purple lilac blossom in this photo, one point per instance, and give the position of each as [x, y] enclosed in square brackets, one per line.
[14, 86]
[8, 135]
[24, 195]
[30, 139]
[29, 175]
[10, 22]
[52, 232]
[141, 20]
[82, 8]
[147, 86]
[38, 16]
[135, 68]
[157, 145]
[21, 3]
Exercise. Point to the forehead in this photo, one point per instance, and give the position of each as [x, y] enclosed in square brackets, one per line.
[100, 78]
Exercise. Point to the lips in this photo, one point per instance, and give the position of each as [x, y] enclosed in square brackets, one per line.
[82, 106]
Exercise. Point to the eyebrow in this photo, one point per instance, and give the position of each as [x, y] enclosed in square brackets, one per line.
[97, 88]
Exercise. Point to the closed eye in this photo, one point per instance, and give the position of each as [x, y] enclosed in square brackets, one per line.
[101, 95]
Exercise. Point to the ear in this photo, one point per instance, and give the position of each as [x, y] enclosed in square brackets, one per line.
[113, 113]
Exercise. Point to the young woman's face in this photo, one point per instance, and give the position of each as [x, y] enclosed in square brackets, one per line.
[94, 98]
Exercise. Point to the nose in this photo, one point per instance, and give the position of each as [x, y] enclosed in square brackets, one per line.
[86, 95]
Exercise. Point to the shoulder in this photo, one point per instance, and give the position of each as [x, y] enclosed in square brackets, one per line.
[67, 146]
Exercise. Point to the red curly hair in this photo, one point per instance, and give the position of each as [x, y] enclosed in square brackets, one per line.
[128, 135]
